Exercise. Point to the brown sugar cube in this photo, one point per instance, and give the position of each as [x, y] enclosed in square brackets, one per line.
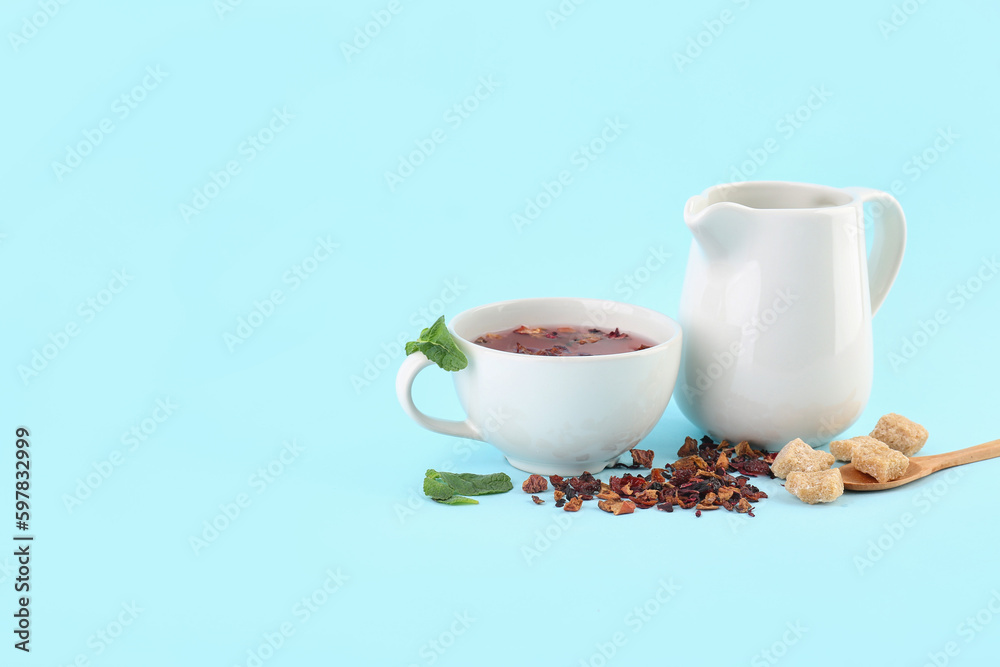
[822, 486]
[900, 433]
[868, 444]
[841, 449]
[881, 462]
[797, 456]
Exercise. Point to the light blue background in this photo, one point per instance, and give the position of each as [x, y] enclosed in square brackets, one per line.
[349, 502]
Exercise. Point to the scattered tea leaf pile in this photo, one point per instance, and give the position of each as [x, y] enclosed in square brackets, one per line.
[701, 479]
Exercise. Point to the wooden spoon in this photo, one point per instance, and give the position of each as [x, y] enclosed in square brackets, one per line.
[920, 466]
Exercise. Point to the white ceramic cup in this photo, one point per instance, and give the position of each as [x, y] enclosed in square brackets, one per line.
[556, 415]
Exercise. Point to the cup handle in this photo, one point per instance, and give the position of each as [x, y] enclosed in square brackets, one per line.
[412, 365]
[888, 243]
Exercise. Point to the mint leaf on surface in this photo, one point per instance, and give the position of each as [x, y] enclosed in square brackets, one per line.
[437, 345]
[458, 500]
[471, 484]
[435, 488]
[452, 488]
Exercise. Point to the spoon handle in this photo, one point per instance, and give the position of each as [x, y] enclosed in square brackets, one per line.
[987, 450]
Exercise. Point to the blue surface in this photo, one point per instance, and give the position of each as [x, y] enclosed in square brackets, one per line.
[253, 271]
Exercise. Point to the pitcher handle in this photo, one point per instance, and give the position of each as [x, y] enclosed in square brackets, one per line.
[888, 243]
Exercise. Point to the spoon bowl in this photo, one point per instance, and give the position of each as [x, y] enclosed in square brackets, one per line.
[920, 466]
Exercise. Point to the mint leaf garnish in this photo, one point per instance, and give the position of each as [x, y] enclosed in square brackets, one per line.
[437, 345]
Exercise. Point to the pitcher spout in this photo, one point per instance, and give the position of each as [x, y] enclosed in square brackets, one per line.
[717, 227]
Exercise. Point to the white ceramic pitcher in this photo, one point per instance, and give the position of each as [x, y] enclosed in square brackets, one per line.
[777, 306]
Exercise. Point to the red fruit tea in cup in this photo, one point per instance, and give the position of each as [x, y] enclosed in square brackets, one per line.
[563, 341]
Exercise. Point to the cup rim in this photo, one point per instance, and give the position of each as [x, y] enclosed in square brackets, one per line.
[674, 339]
